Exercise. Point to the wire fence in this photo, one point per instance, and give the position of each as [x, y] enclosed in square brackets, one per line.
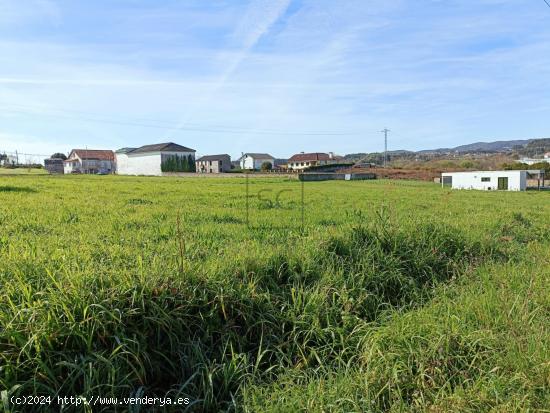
[16, 158]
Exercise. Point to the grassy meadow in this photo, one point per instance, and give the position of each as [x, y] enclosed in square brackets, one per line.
[348, 297]
[22, 171]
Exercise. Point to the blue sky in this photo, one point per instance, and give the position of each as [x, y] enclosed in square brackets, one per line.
[278, 76]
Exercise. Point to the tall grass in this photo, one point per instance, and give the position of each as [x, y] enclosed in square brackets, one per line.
[116, 293]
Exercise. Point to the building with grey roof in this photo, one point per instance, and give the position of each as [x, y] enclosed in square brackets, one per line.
[155, 159]
[213, 164]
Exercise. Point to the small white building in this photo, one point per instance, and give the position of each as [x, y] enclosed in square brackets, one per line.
[155, 159]
[254, 161]
[486, 180]
[89, 161]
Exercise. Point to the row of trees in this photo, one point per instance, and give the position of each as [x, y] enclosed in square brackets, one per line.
[175, 163]
[521, 166]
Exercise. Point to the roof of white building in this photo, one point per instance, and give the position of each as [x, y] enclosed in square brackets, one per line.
[160, 147]
[125, 150]
[258, 155]
[485, 172]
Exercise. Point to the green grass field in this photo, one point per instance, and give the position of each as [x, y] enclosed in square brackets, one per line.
[375, 296]
[22, 171]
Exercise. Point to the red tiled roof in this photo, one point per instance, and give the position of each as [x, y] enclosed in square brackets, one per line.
[317, 156]
[102, 155]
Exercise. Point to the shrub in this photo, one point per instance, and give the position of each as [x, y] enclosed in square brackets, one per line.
[266, 166]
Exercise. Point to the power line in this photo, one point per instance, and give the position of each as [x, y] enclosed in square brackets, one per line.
[14, 153]
[547, 3]
[195, 129]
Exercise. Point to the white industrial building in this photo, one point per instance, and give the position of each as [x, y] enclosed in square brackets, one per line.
[532, 161]
[254, 161]
[152, 159]
[486, 180]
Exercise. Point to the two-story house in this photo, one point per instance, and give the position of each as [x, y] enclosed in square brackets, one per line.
[90, 161]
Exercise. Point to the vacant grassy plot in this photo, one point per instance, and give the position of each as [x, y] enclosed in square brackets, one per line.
[375, 296]
[22, 171]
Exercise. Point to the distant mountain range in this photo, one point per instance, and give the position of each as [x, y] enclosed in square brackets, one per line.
[496, 146]
[521, 147]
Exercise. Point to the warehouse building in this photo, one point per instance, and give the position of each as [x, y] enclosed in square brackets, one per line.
[155, 159]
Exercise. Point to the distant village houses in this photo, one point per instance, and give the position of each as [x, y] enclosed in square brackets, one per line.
[213, 164]
[90, 161]
[7, 160]
[254, 161]
[307, 160]
[155, 159]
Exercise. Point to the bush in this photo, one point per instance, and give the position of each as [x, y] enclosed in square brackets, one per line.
[59, 155]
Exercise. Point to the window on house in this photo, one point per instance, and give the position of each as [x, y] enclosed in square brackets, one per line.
[485, 179]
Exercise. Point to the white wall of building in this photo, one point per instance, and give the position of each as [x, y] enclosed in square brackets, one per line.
[121, 160]
[488, 180]
[67, 168]
[139, 164]
[144, 163]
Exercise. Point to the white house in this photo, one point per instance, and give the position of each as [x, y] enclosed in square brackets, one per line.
[486, 180]
[254, 161]
[155, 159]
[89, 161]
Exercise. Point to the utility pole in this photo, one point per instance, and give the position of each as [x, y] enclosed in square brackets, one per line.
[385, 132]
[16, 157]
